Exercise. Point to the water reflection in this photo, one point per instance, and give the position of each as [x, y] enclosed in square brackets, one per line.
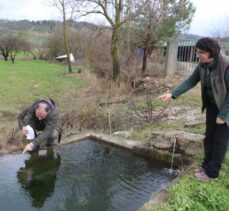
[83, 176]
[96, 176]
[38, 176]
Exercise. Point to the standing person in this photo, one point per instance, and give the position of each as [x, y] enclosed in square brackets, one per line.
[213, 73]
[41, 124]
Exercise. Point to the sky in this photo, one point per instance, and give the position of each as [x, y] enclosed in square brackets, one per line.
[210, 16]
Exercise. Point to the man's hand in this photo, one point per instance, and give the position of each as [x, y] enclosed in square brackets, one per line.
[219, 121]
[29, 147]
[165, 97]
[24, 130]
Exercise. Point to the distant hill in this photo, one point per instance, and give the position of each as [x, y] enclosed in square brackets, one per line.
[38, 26]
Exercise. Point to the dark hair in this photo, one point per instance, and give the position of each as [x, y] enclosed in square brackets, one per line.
[209, 45]
[49, 102]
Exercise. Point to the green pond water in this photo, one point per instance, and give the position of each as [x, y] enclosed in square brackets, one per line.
[83, 176]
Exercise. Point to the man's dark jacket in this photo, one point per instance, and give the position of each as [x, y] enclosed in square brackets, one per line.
[47, 125]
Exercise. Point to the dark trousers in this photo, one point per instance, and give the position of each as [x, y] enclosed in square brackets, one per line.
[215, 143]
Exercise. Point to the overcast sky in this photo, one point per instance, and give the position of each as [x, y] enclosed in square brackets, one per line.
[210, 14]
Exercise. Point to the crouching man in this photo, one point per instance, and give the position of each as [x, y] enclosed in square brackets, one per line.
[41, 124]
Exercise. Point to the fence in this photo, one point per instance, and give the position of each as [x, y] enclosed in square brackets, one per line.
[181, 57]
[186, 57]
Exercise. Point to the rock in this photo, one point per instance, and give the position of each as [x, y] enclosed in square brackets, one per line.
[194, 123]
[185, 143]
[125, 134]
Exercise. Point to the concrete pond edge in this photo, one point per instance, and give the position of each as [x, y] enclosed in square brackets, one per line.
[134, 146]
[144, 149]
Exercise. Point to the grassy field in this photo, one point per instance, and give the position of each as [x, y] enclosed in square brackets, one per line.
[25, 81]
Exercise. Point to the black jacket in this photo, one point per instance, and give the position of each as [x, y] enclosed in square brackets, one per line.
[47, 125]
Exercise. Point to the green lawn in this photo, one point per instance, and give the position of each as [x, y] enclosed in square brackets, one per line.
[191, 194]
[25, 81]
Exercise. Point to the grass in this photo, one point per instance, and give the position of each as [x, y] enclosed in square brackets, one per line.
[23, 82]
[191, 194]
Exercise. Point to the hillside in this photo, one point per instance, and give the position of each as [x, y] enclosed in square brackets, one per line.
[42, 26]
[36, 32]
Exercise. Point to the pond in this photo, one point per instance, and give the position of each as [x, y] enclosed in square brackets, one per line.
[87, 175]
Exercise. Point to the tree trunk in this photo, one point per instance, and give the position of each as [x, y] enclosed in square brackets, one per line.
[5, 58]
[144, 60]
[66, 40]
[114, 53]
[33, 54]
[13, 56]
[5, 55]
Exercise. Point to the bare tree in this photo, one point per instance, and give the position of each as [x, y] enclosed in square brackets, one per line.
[67, 9]
[115, 13]
[6, 45]
[11, 45]
[53, 44]
[20, 45]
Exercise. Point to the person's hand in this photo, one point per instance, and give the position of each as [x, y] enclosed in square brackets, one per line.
[24, 130]
[219, 121]
[165, 97]
[28, 148]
